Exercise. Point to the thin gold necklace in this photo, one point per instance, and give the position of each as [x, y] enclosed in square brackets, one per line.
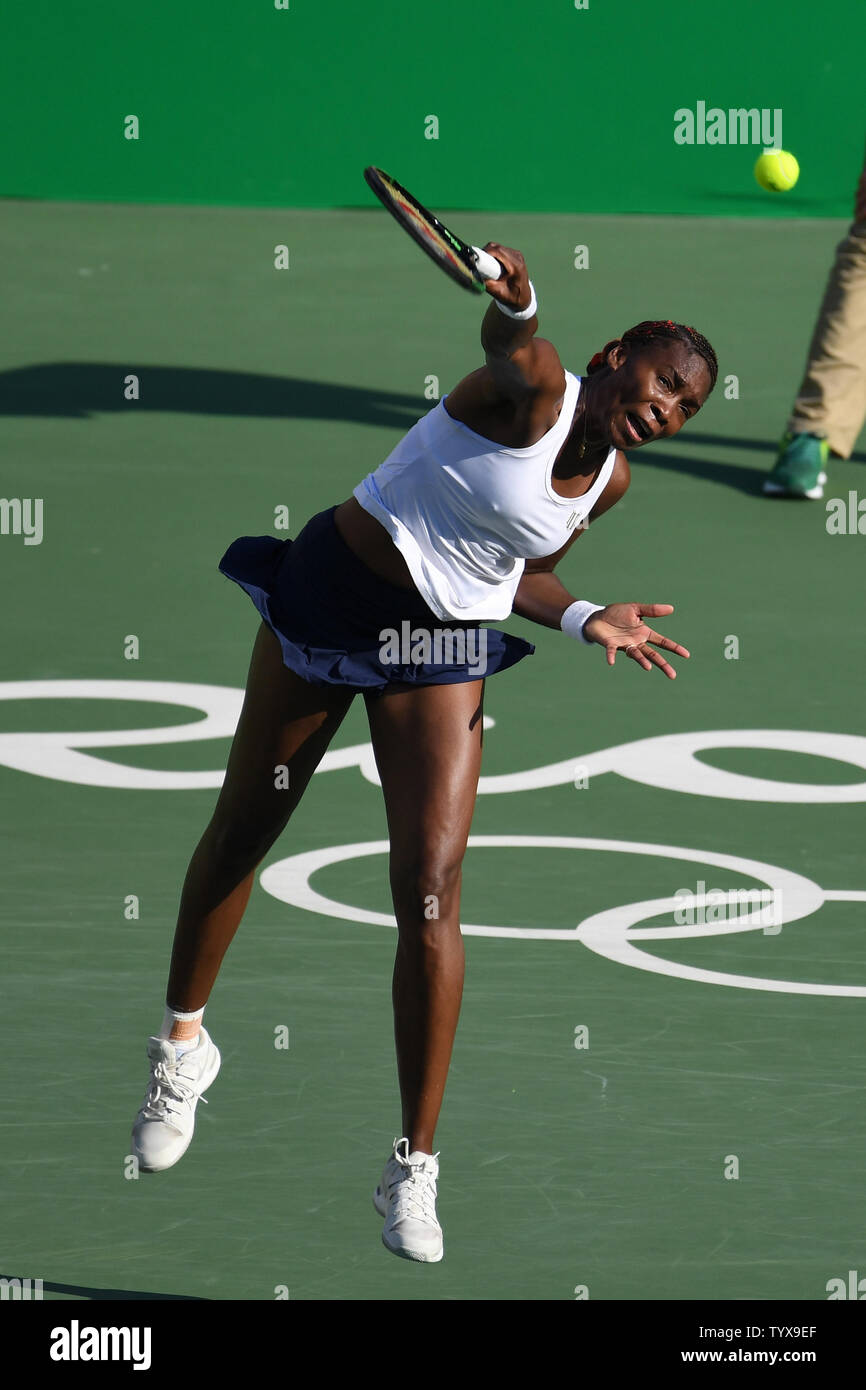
[582, 449]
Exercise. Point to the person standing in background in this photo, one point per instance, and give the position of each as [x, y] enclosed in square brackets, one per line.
[830, 407]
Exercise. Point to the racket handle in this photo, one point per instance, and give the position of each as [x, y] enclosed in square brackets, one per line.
[488, 266]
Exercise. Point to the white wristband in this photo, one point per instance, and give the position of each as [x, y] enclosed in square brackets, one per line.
[573, 618]
[527, 313]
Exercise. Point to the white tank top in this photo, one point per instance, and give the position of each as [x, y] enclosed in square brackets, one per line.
[466, 512]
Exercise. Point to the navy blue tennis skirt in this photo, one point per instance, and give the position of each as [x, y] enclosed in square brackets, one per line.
[338, 623]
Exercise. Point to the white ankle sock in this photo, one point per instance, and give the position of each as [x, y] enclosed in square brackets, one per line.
[171, 1018]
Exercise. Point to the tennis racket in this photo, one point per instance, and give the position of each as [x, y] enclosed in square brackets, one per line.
[468, 265]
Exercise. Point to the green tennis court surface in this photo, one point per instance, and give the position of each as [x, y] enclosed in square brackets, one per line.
[562, 1165]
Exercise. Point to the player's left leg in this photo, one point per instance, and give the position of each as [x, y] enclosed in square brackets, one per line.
[427, 743]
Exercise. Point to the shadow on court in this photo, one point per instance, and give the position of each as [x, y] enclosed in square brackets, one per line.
[741, 477]
[112, 1295]
[79, 390]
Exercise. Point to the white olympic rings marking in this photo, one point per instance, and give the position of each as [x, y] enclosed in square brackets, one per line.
[611, 933]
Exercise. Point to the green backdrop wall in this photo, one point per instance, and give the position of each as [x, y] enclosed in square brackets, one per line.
[540, 105]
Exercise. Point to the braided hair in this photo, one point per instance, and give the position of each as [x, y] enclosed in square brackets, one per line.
[652, 329]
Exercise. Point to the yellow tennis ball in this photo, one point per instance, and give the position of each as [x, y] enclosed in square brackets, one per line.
[777, 171]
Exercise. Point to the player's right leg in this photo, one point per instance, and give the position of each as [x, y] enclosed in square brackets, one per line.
[285, 727]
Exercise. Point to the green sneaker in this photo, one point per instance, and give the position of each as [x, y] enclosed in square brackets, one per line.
[799, 470]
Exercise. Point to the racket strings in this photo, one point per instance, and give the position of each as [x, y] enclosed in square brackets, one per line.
[450, 253]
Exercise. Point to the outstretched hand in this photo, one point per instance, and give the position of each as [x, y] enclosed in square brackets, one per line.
[620, 627]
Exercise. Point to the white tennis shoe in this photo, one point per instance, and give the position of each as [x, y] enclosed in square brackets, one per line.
[406, 1197]
[163, 1128]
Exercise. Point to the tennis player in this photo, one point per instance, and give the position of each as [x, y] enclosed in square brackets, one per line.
[462, 524]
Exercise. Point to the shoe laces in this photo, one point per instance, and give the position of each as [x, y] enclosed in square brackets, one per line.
[412, 1188]
[167, 1091]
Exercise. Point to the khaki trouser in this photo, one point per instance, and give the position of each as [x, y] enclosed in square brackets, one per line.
[832, 396]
